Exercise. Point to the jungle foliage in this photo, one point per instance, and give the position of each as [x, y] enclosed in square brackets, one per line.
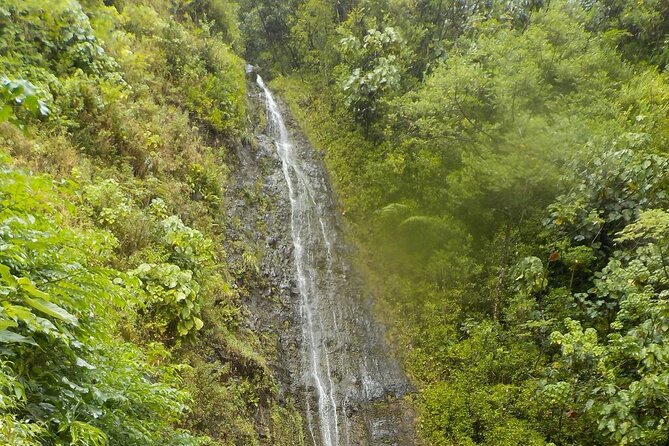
[120, 320]
[503, 166]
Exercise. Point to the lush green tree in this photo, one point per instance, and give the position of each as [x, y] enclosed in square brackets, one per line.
[266, 25]
[315, 36]
[641, 26]
[67, 378]
[17, 96]
[511, 202]
[372, 68]
[611, 367]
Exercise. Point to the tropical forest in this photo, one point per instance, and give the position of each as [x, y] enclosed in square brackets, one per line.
[334, 222]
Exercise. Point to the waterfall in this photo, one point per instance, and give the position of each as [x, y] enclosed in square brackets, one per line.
[345, 366]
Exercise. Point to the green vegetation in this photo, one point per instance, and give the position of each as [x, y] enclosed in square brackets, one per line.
[67, 378]
[503, 166]
[118, 321]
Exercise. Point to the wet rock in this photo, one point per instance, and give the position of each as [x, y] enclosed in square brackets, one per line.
[354, 363]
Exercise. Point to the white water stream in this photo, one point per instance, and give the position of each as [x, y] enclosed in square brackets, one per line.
[304, 216]
[345, 364]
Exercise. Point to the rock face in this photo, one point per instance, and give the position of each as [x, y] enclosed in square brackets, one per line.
[331, 356]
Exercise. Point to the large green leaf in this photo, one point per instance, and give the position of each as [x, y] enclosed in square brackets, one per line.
[198, 323]
[19, 313]
[51, 309]
[6, 112]
[29, 287]
[7, 336]
[7, 276]
[5, 323]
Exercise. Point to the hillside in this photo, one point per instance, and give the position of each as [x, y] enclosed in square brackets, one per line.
[123, 317]
[451, 227]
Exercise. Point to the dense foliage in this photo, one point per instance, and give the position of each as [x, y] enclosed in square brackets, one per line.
[119, 323]
[66, 377]
[502, 165]
[504, 168]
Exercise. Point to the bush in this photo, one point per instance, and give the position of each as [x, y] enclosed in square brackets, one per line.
[64, 375]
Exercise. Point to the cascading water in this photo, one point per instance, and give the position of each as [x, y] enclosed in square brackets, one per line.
[349, 380]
